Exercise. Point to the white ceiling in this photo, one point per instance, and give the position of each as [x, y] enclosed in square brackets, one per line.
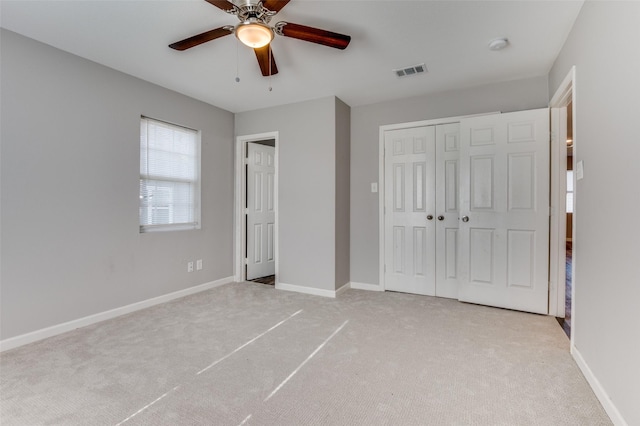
[451, 37]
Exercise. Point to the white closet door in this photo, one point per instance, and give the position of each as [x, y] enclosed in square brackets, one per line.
[504, 193]
[447, 199]
[409, 200]
[260, 210]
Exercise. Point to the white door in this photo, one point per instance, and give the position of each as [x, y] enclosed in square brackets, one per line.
[409, 202]
[504, 209]
[260, 210]
[447, 199]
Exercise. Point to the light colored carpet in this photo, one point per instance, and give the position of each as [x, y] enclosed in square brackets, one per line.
[365, 358]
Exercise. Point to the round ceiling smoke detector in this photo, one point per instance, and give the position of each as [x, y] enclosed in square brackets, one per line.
[498, 44]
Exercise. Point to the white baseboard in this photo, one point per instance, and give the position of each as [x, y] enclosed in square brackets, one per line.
[343, 288]
[311, 290]
[601, 394]
[365, 286]
[43, 333]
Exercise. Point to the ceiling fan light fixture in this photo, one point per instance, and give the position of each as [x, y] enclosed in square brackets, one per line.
[254, 34]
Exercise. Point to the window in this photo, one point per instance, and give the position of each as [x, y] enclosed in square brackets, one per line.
[569, 208]
[169, 177]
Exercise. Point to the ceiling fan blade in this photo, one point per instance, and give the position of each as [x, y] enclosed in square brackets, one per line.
[274, 5]
[313, 35]
[262, 53]
[221, 4]
[190, 42]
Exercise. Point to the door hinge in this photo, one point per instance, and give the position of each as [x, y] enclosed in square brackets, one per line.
[246, 260]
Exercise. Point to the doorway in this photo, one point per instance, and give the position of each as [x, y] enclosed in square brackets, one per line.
[568, 258]
[256, 201]
[563, 196]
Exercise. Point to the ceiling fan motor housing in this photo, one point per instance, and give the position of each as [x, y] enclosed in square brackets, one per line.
[253, 11]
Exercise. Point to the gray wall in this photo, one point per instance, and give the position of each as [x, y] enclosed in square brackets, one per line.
[603, 46]
[306, 187]
[365, 126]
[69, 181]
[343, 191]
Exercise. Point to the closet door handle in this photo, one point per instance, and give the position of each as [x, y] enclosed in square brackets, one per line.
[440, 217]
[465, 218]
[430, 217]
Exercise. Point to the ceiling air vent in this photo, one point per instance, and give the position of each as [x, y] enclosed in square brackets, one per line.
[415, 69]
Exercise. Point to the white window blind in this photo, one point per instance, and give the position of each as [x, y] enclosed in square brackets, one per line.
[169, 176]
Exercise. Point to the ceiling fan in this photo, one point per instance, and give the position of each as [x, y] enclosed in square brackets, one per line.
[254, 30]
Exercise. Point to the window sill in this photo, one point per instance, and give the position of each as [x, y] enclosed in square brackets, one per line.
[144, 229]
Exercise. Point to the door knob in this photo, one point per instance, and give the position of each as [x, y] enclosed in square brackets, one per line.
[465, 218]
[430, 217]
[440, 217]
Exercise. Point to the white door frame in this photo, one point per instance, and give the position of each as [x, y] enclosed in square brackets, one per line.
[565, 94]
[239, 197]
[381, 176]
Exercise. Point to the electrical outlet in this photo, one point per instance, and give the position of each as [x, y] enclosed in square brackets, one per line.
[190, 267]
[199, 264]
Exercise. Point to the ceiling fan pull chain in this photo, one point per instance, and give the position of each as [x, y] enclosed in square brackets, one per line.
[270, 88]
[237, 66]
